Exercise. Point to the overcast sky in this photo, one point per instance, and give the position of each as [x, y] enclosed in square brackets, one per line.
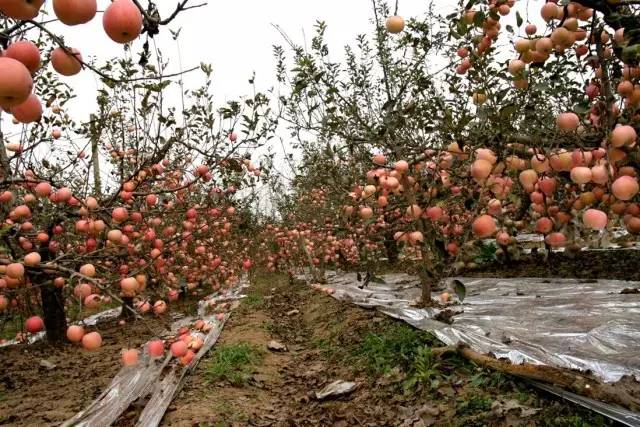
[236, 37]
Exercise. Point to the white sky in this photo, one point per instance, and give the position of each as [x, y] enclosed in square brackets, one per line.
[235, 36]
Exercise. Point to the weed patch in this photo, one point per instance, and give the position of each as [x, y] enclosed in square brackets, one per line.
[233, 363]
[396, 347]
[254, 300]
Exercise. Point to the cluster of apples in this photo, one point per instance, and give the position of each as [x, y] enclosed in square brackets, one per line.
[184, 346]
[122, 21]
[132, 241]
[598, 190]
[325, 241]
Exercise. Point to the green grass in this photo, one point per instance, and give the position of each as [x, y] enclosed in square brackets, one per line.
[474, 404]
[233, 363]
[425, 371]
[396, 347]
[254, 300]
[9, 327]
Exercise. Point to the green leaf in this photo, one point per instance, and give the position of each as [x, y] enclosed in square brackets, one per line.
[470, 4]
[519, 19]
[478, 19]
[460, 289]
[507, 111]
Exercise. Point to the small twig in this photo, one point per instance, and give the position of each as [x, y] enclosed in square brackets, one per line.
[181, 7]
[107, 77]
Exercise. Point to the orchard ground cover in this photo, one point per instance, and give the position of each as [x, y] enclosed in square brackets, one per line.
[431, 135]
[326, 340]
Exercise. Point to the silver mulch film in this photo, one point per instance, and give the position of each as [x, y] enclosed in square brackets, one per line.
[160, 380]
[89, 321]
[570, 323]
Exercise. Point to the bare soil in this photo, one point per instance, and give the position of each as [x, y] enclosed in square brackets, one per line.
[327, 341]
[322, 335]
[32, 395]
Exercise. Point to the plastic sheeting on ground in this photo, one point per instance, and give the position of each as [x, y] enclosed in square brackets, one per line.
[89, 321]
[160, 380]
[529, 241]
[570, 323]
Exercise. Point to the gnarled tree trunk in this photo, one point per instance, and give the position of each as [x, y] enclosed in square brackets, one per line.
[55, 320]
[127, 312]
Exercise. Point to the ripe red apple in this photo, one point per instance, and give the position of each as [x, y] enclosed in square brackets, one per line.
[484, 226]
[66, 64]
[595, 219]
[15, 82]
[155, 348]
[15, 271]
[122, 21]
[82, 290]
[32, 258]
[160, 307]
[26, 52]
[568, 121]
[34, 324]
[395, 24]
[130, 357]
[75, 333]
[21, 9]
[625, 188]
[92, 341]
[179, 349]
[75, 12]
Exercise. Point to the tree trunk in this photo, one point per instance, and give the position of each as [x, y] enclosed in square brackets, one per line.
[391, 247]
[5, 172]
[127, 312]
[95, 162]
[55, 321]
[425, 283]
[96, 131]
[507, 256]
[315, 273]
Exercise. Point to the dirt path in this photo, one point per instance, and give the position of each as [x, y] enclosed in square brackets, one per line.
[242, 383]
[398, 384]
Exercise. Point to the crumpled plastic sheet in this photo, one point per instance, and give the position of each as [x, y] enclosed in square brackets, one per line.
[159, 379]
[569, 323]
[335, 389]
[528, 241]
[616, 413]
[165, 391]
[89, 321]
